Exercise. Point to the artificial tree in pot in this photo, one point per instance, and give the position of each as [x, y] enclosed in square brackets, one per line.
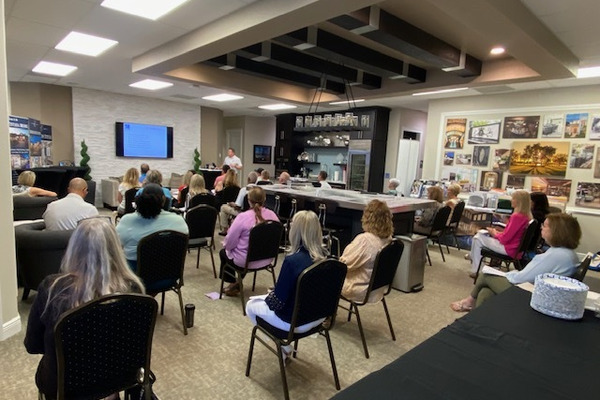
[85, 158]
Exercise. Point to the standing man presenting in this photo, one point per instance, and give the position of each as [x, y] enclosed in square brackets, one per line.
[232, 160]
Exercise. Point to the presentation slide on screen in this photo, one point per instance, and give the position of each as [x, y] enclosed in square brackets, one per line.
[141, 140]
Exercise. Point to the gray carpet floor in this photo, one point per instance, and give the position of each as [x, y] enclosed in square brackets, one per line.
[209, 363]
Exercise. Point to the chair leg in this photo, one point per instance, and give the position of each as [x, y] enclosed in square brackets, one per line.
[335, 374]
[251, 350]
[387, 314]
[478, 269]
[447, 248]
[350, 312]
[456, 241]
[162, 304]
[441, 250]
[254, 281]
[286, 393]
[241, 283]
[198, 258]
[222, 284]
[362, 333]
[212, 258]
[427, 253]
[273, 275]
[185, 332]
[25, 294]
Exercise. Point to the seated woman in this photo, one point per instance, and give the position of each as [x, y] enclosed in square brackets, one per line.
[24, 186]
[227, 190]
[305, 249]
[183, 189]
[504, 242]
[198, 192]
[155, 177]
[393, 187]
[94, 265]
[130, 181]
[218, 185]
[423, 223]
[540, 208]
[360, 254]
[235, 245]
[562, 233]
[149, 217]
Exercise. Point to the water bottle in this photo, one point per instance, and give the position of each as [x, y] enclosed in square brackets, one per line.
[189, 315]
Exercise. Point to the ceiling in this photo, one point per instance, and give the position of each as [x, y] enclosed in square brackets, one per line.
[546, 41]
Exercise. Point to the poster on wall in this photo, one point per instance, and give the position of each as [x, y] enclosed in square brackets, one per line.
[595, 127]
[490, 180]
[582, 156]
[463, 159]
[539, 158]
[597, 166]
[501, 160]
[521, 127]
[588, 195]
[46, 145]
[553, 127]
[515, 181]
[576, 125]
[462, 175]
[484, 131]
[454, 134]
[18, 128]
[448, 158]
[35, 143]
[481, 156]
[552, 187]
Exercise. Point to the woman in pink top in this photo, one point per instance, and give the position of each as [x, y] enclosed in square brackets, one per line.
[507, 241]
[235, 245]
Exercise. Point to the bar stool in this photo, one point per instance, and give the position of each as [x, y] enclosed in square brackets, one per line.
[323, 208]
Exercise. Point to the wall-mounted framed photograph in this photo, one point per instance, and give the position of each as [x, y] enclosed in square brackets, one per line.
[261, 154]
[484, 131]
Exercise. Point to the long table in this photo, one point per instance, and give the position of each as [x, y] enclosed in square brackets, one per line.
[501, 350]
[350, 206]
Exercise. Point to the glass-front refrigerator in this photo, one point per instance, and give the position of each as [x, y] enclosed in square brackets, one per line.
[359, 155]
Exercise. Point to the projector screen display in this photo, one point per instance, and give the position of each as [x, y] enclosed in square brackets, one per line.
[142, 140]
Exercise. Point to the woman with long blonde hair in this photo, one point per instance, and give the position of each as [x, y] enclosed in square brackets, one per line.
[24, 186]
[131, 180]
[94, 265]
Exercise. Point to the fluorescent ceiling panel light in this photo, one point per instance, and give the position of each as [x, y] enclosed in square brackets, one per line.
[151, 84]
[150, 9]
[590, 72]
[81, 43]
[497, 50]
[274, 107]
[50, 68]
[440, 91]
[347, 102]
[223, 97]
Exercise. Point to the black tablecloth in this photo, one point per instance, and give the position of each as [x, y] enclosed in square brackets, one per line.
[55, 178]
[502, 350]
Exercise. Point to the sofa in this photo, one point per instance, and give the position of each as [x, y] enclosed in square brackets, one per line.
[29, 208]
[110, 193]
[39, 253]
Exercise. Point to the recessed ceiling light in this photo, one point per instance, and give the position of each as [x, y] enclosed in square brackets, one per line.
[347, 102]
[150, 9]
[223, 97]
[274, 107]
[497, 50]
[151, 84]
[590, 72]
[81, 43]
[50, 68]
[440, 91]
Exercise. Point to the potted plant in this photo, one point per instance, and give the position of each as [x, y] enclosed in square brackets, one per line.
[85, 158]
[197, 162]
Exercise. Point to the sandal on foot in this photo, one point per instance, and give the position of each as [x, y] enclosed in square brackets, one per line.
[459, 306]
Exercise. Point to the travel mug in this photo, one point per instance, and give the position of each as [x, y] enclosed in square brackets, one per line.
[189, 315]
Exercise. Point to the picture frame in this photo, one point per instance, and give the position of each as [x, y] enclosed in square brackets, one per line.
[262, 154]
[484, 132]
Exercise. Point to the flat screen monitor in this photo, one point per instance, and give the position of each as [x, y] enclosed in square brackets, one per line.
[143, 140]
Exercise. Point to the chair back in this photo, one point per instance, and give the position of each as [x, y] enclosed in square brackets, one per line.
[161, 257]
[296, 204]
[318, 292]
[202, 198]
[527, 236]
[264, 241]
[582, 269]
[457, 214]
[105, 346]
[201, 221]
[226, 195]
[440, 219]
[386, 264]
[129, 200]
[264, 183]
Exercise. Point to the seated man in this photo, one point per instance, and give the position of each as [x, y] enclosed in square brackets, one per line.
[284, 178]
[231, 209]
[322, 178]
[64, 214]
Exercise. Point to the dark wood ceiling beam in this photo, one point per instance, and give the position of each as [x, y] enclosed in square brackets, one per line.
[334, 48]
[245, 65]
[284, 57]
[395, 33]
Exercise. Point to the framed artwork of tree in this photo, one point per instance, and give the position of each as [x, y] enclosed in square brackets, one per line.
[539, 158]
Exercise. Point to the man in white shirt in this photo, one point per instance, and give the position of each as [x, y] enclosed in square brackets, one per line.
[232, 160]
[63, 214]
[322, 178]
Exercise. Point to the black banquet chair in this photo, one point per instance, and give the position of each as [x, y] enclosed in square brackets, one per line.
[129, 200]
[506, 259]
[263, 244]
[437, 229]
[160, 262]
[452, 227]
[201, 221]
[582, 268]
[104, 347]
[382, 276]
[317, 296]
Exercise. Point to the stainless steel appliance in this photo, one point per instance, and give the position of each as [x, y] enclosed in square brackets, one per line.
[359, 158]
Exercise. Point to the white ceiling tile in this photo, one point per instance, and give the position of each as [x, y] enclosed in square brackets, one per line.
[59, 13]
[26, 31]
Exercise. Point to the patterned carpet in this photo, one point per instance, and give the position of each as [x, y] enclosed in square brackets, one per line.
[210, 362]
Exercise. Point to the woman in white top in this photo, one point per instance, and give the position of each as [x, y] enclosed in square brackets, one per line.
[24, 186]
[130, 181]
